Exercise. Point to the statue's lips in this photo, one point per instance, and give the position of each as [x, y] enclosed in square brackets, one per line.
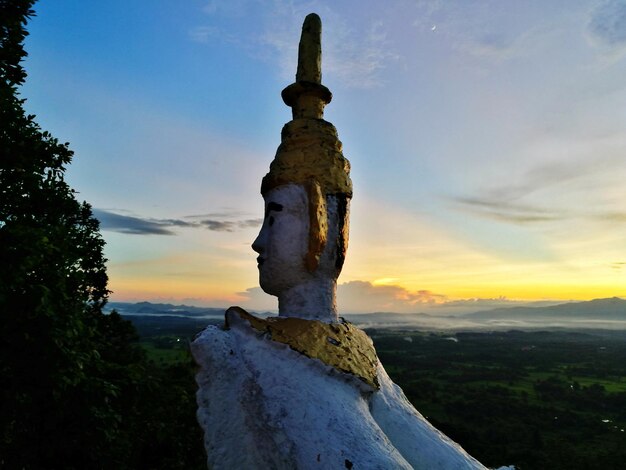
[260, 261]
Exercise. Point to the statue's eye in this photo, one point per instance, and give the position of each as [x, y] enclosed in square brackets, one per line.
[271, 220]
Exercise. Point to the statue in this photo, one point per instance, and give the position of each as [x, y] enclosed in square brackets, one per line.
[306, 389]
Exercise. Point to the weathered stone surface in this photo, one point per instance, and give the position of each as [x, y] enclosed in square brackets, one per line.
[307, 96]
[307, 99]
[309, 150]
[339, 345]
[264, 405]
[310, 50]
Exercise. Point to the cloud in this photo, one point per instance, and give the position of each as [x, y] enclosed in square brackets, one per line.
[357, 297]
[607, 25]
[226, 213]
[617, 266]
[255, 299]
[365, 297]
[131, 225]
[619, 217]
[203, 34]
[480, 29]
[127, 224]
[493, 45]
[231, 8]
[502, 211]
[546, 193]
[228, 225]
[501, 45]
[354, 56]
[358, 60]
[476, 304]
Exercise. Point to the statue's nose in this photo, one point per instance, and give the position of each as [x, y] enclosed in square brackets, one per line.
[258, 244]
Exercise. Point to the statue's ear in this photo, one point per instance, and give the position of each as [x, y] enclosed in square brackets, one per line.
[318, 224]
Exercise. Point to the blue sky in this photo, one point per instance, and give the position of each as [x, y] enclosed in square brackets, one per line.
[487, 142]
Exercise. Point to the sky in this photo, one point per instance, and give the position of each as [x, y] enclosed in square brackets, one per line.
[487, 141]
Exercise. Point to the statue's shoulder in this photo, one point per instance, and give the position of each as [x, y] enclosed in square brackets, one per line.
[340, 345]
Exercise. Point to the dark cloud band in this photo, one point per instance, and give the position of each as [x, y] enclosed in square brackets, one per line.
[130, 225]
[114, 222]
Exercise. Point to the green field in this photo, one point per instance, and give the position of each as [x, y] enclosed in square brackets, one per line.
[534, 399]
[166, 350]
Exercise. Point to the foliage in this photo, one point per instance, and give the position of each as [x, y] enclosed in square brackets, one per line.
[534, 399]
[78, 390]
[165, 433]
[69, 372]
[162, 431]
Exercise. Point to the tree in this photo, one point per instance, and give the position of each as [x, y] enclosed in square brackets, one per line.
[63, 362]
[77, 391]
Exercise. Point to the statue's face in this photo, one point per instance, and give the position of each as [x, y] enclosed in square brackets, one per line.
[283, 241]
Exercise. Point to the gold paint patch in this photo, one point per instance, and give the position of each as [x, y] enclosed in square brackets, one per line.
[339, 345]
[318, 222]
[310, 148]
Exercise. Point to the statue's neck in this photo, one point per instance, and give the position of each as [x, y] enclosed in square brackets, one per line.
[312, 300]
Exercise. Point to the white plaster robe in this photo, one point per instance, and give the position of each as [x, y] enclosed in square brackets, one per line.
[263, 405]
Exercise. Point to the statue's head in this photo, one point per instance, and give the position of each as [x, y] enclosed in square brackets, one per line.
[307, 192]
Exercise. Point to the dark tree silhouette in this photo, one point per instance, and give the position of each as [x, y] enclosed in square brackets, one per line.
[60, 356]
[76, 390]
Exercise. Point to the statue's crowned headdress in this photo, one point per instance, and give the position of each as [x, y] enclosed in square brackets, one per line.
[310, 154]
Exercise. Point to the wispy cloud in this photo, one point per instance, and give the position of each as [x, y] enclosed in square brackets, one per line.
[479, 29]
[547, 192]
[607, 25]
[492, 45]
[133, 225]
[355, 57]
[507, 211]
[228, 225]
[358, 59]
[230, 8]
[205, 34]
[502, 45]
[232, 11]
[476, 304]
[615, 217]
[618, 266]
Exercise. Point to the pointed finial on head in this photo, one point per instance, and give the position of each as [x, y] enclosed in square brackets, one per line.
[310, 50]
[307, 96]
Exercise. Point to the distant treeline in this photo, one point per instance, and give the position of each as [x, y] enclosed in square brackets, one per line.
[534, 399]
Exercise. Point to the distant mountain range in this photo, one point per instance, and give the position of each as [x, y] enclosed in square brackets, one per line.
[599, 313]
[610, 309]
[148, 308]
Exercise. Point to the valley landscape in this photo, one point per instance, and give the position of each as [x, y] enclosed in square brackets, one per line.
[538, 388]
